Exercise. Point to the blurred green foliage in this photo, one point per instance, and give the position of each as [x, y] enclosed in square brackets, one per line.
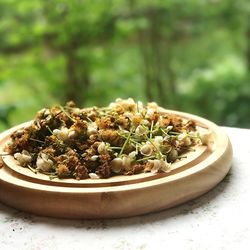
[190, 55]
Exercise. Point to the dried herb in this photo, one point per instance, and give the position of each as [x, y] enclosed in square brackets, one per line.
[124, 138]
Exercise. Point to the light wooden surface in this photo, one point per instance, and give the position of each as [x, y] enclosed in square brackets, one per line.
[120, 196]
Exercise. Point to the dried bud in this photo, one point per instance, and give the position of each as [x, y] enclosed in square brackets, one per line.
[132, 154]
[127, 163]
[116, 165]
[61, 134]
[94, 176]
[72, 134]
[92, 129]
[94, 157]
[102, 148]
[146, 150]
[173, 155]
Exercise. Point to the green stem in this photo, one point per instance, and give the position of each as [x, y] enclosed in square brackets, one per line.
[66, 113]
[151, 130]
[125, 144]
[146, 158]
[49, 129]
[32, 139]
[115, 147]
[32, 169]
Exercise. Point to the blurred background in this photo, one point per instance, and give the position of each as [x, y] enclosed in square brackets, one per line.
[189, 55]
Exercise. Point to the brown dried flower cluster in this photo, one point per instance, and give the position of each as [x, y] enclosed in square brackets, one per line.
[124, 138]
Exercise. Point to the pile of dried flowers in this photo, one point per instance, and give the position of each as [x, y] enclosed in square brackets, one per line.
[124, 138]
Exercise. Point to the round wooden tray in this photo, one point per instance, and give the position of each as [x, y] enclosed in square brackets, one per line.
[119, 196]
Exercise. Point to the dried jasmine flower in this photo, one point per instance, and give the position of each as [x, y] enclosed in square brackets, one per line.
[94, 176]
[116, 165]
[23, 158]
[159, 165]
[146, 149]
[102, 148]
[205, 137]
[124, 138]
[44, 163]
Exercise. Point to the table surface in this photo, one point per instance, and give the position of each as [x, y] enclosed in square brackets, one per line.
[217, 220]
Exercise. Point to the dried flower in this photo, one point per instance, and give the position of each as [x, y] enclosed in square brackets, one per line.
[116, 165]
[94, 157]
[44, 163]
[124, 138]
[160, 166]
[141, 131]
[158, 140]
[126, 162]
[94, 176]
[102, 148]
[173, 155]
[72, 134]
[146, 149]
[206, 137]
[62, 134]
[92, 128]
[23, 158]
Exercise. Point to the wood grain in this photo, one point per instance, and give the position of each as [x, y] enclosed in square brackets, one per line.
[120, 196]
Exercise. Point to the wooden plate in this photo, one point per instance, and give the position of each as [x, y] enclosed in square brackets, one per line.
[119, 196]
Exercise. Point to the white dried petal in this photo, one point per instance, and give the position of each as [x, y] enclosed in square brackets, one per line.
[117, 100]
[187, 141]
[182, 136]
[56, 131]
[62, 134]
[153, 105]
[160, 165]
[150, 112]
[139, 106]
[42, 112]
[131, 100]
[94, 176]
[112, 105]
[127, 162]
[194, 133]
[46, 112]
[116, 165]
[92, 137]
[92, 129]
[206, 137]
[72, 134]
[146, 122]
[44, 163]
[141, 130]
[77, 111]
[94, 157]
[132, 154]
[128, 115]
[158, 140]
[23, 158]
[102, 148]
[128, 105]
[146, 150]
[170, 127]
